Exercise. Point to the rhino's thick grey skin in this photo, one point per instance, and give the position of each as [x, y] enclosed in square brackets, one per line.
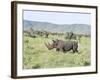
[66, 45]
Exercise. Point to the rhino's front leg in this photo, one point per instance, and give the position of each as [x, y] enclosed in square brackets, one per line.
[57, 49]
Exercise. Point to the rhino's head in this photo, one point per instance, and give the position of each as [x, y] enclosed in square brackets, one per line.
[52, 45]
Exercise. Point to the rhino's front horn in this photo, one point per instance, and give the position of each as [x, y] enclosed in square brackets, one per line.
[48, 46]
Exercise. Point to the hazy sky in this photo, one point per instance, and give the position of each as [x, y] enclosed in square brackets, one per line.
[58, 17]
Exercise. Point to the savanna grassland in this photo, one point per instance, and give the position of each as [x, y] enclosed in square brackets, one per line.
[36, 54]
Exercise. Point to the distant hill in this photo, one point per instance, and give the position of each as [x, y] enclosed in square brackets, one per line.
[45, 26]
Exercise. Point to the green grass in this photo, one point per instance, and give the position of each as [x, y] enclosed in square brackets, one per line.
[36, 55]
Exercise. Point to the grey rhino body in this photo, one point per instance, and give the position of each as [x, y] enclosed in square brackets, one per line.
[64, 46]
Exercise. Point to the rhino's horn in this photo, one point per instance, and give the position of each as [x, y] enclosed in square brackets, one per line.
[48, 45]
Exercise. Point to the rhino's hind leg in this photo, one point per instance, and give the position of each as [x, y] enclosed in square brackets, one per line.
[75, 50]
[75, 47]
